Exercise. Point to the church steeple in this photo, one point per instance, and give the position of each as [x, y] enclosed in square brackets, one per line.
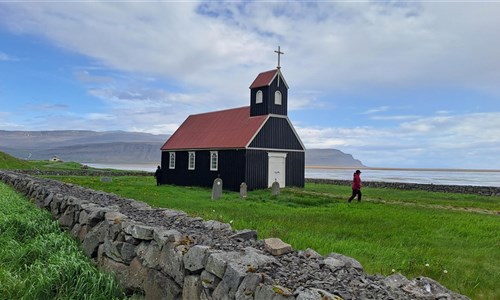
[269, 92]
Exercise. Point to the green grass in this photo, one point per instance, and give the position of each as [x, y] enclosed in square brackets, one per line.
[38, 261]
[383, 232]
[9, 162]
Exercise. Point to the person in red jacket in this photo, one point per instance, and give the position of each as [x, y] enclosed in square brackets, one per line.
[356, 186]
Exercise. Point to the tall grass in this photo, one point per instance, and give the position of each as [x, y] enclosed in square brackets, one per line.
[458, 248]
[38, 261]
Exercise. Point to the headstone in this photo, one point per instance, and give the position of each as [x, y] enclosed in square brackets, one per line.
[106, 179]
[243, 190]
[217, 189]
[275, 188]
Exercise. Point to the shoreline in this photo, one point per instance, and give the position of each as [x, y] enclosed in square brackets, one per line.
[403, 169]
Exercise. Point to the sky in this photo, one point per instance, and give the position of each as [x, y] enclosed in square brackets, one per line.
[408, 84]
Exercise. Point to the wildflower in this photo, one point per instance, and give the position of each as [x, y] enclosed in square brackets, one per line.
[231, 222]
[393, 271]
[445, 271]
[213, 210]
[426, 265]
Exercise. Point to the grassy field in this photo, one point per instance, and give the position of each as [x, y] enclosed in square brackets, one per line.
[38, 261]
[452, 238]
[8, 162]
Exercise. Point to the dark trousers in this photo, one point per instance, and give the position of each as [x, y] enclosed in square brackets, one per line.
[354, 193]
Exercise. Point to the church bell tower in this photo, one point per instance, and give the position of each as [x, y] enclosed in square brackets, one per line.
[269, 92]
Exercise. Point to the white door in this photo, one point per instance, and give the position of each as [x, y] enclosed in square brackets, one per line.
[276, 168]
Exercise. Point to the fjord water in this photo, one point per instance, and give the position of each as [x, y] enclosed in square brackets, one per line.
[443, 177]
[439, 177]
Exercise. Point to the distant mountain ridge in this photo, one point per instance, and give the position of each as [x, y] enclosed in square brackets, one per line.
[331, 157]
[120, 147]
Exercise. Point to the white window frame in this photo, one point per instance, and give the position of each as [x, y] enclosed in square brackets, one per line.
[214, 160]
[171, 160]
[191, 163]
[259, 97]
[277, 98]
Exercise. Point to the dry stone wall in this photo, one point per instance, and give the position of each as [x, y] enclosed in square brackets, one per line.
[167, 254]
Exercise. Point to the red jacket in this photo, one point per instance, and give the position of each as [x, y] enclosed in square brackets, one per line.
[356, 182]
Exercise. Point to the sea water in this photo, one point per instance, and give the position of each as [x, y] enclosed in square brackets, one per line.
[443, 177]
[439, 177]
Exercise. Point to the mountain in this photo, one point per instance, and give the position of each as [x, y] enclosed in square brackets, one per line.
[120, 147]
[84, 146]
[331, 157]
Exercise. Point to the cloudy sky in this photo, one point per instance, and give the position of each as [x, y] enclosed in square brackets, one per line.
[395, 84]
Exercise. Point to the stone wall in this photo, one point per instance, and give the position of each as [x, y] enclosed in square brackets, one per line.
[167, 254]
[464, 189]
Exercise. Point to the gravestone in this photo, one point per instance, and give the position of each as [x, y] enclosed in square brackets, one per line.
[106, 179]
[217, 189]
[275, 188]
[243, 190]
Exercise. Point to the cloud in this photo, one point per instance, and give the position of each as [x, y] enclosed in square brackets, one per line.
[86, 77]
[327, 45]
[453, 141]
[376, 110]
[395, 118]
[47, 107]
[154, 63]
[4, 57]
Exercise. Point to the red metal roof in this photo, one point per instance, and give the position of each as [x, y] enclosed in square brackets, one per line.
[232, 128]
[264, 79]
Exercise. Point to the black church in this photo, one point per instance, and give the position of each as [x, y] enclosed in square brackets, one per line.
[255, 144]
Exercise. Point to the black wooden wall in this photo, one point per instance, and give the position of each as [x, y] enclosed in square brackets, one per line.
[295, 169]
[231, 169]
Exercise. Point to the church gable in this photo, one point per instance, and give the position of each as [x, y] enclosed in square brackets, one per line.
[277, 133]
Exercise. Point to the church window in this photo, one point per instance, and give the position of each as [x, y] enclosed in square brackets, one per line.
[191, 162]
[214, 160]
[171, 161]
[277, 98]
[258, 97]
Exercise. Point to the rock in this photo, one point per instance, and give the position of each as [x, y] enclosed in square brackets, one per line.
[192, 287]
[275, 292]
[245, 234]
[216, 225]
[139, 231]
[335, 260]
[93, 239]
[277, 247]
[217, 261]
[196, 258]
[160, 287]
[163, 236]
[396, 281]
[209, 280]
[246, 290]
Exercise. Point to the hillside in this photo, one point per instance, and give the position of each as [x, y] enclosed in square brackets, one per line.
[9, 162]
[83, 146]
[120, 147]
